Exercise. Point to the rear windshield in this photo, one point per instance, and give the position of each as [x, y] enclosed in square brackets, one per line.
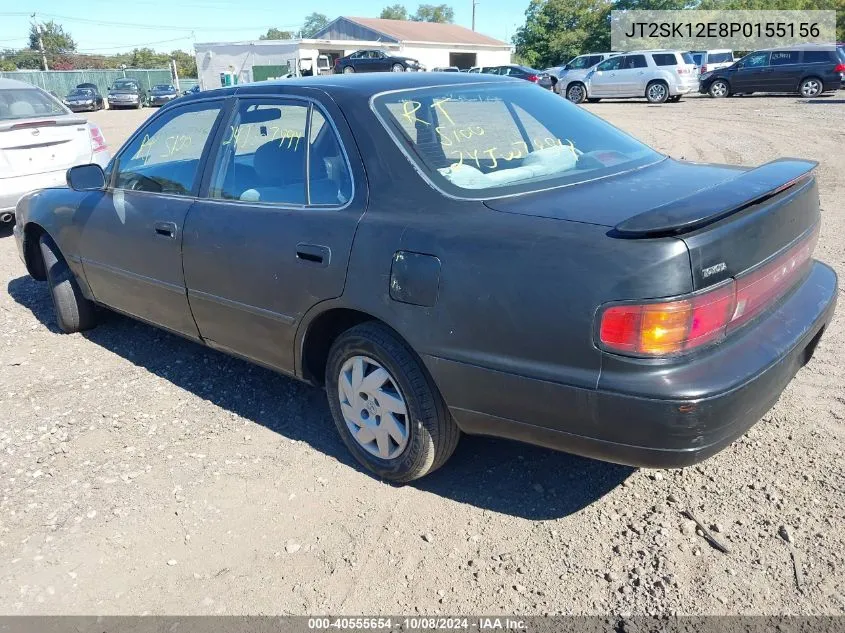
[25, 103]
[485, 140]
[719, 58]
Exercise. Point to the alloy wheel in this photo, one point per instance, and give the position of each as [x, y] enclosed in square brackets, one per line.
[657, 92]
[575, 94]
[373, 407]
[811, 88]
[719, 89]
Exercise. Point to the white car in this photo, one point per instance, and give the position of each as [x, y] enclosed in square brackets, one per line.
[40, 139]
[569, 78]
[708, 61]
[657, 75]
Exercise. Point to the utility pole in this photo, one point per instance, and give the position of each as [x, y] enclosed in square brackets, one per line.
[474, 3]
[40, 31]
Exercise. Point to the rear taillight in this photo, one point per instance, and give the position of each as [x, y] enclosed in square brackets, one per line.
[683, 70]
[532, 78]
[840, 68]
[98, 143]
[681, 325]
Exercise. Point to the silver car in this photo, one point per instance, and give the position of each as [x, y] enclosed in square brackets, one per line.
[570, 76]
[658, 76]
[39, 140]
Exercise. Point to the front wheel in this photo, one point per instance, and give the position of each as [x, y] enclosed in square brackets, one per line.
[719, 89]
[348, 70]
[811, 87]
[74, 313]
[387, 410]
[576, 93]
[657, 92]
[398, 68]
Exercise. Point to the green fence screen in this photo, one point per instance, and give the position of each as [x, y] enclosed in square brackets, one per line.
[63, 81]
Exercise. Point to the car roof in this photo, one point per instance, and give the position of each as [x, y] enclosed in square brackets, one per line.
[362, 84]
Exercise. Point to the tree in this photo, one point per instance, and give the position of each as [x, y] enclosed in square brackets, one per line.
[394, 12]
[58, 45]
[276, 34]
[313, 23]
[557, 30]
[186, 64]
[434, 13]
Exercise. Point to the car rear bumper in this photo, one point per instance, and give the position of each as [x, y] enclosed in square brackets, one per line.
[654, 416]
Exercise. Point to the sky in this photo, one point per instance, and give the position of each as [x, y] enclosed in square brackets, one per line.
[106, 26]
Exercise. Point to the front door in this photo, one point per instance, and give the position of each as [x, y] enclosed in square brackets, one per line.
[603, 79]
[630, 79]
[131, 242]
[752, 73]
[272, 236]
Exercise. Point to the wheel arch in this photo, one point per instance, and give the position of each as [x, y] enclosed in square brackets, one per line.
[32, 233]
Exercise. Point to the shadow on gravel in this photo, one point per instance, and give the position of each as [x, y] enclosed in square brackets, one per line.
[498, 475]
[825, 101]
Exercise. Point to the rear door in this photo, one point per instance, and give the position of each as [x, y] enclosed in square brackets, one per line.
[786, 71]
[603, 79]
[753, 73]
[272, 236]
[131, 241]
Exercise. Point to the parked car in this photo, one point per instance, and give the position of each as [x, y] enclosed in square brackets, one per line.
[658, 76]
[192, 90]
[571, 76]
[162, 94]
[374, 61]
[808, 71]
[707, 61]
[82, 99]
[126, 93]
[445, 69]
[513, 70]
[546, 277]
[39, 140]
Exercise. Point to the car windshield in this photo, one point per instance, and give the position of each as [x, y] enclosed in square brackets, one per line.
[163, 88]
[25, 103]
[579, 62]
[125, 85]
[486, 140]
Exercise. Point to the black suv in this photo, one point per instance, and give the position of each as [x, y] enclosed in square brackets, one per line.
[808, 70]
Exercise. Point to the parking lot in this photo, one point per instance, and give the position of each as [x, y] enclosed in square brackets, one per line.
[142, 473]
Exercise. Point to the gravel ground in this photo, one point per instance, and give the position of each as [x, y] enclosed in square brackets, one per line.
[141, 473]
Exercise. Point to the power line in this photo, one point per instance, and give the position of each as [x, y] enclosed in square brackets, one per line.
[141, 45]
[157, 27]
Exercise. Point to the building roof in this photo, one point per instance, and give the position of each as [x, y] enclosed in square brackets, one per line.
[434, 32]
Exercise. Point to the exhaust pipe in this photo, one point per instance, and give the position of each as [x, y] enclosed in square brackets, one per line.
[6, 218]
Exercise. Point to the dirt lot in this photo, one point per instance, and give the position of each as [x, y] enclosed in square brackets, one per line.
[145, 474]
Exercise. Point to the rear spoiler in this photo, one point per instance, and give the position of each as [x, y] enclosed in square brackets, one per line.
[714, 203]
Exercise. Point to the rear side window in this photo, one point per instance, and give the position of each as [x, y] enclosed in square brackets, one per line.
[814, 57]
[665, 59]
[635, 61]
[493, 140]
[781, 58]
[719, 58]
[165, 156]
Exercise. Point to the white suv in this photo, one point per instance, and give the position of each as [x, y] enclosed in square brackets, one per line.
[708, 61]
[658, 76]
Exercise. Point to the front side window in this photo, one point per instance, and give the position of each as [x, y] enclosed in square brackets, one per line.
[756, 60]
[492, 140]
[579, 63]
[24, 103]
[165, 156]
[265, 151]
[614, 63]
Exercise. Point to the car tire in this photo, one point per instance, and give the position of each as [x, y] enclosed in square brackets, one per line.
[576, 92]
[811, 87]
[674, 99]
[348, 70]
[657, 92]
[397, 68]
[74, 313]
[719, 89]
[427, 434]
[593, 100]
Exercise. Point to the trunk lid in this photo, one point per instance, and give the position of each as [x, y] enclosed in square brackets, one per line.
[43, 144]
[731, 219]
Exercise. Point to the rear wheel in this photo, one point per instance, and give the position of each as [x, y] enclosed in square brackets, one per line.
[398, 68]
[348, 70]
[385, 407]
[811, 87]
[719, 89]
[576, 92]
[74, 313]
[657, 92]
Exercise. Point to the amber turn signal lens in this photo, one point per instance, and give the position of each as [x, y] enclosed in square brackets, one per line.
[665, 327]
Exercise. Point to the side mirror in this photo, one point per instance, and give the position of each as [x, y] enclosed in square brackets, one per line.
[86, 178]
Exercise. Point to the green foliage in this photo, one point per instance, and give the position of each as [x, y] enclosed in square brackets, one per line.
[434, 13]
[774, 5]
[275, 34]
[313, 23]
[394, 12]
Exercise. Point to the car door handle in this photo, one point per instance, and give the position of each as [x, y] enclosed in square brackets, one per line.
[314, 254]
[166, 229]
